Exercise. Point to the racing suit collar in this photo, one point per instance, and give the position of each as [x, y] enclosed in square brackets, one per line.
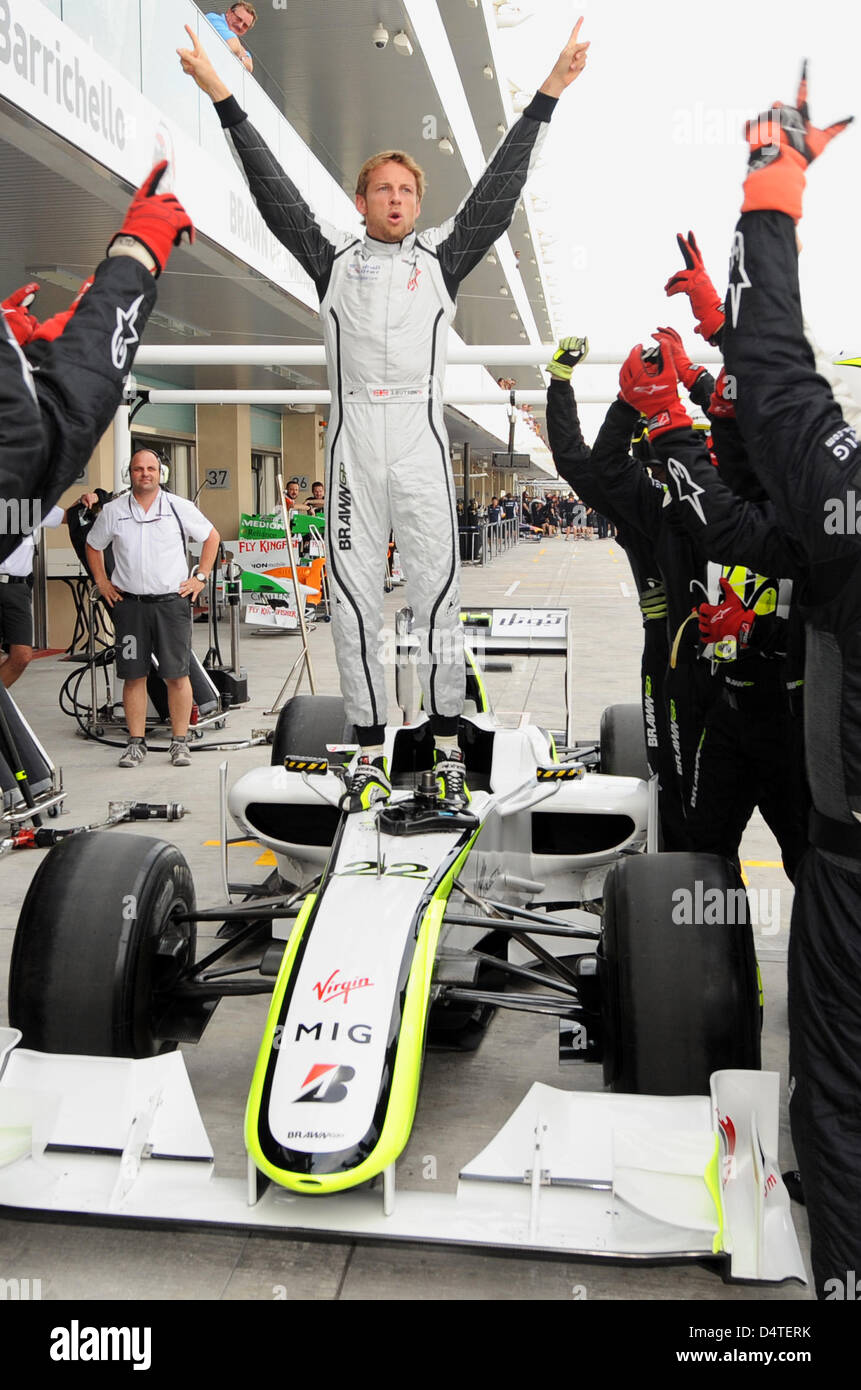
[389, 248]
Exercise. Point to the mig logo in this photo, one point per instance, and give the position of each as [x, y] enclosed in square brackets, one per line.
[325, 1083]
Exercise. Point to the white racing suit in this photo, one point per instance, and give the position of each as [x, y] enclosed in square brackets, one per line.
[385, 310]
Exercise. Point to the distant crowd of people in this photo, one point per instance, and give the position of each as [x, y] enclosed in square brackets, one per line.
[545, 514]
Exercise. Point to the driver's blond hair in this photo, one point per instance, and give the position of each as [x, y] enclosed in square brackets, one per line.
[391, 157]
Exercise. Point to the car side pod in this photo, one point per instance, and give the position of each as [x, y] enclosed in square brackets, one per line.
[336, 1083]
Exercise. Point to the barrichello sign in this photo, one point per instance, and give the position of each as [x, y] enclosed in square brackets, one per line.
[63, 80]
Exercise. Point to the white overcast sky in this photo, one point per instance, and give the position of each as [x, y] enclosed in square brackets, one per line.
[648, 142]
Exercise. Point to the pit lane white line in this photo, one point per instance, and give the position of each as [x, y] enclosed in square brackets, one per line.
[626, 592]
[511, 588]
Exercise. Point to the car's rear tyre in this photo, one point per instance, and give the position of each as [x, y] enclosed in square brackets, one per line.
[679, 988]
[97, 949]
[306, 724]
[623, 742]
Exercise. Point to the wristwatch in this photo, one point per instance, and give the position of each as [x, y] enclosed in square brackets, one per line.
[199, 574]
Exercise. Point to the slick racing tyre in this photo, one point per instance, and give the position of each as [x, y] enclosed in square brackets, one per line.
[623, 742]
[679, 990]
[97, 950]
[306, 724]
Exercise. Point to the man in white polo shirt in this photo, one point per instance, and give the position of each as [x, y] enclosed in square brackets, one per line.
[150, 592]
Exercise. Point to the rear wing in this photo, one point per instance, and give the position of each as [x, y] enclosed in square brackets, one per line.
[492, 632]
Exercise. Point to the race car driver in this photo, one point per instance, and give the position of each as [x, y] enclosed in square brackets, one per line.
[61, 382]
[386, 301]
[809, 462]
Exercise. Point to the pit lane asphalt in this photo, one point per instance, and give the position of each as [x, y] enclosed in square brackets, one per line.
[464, 1098]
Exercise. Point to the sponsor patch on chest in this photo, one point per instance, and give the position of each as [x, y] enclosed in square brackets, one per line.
[364, 270]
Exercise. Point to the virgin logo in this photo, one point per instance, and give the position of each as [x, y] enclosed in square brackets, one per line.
[335, 988]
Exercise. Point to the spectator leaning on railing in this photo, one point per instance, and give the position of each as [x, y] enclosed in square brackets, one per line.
[232, 27]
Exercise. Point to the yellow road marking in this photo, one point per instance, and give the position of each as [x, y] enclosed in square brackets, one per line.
[266, 860]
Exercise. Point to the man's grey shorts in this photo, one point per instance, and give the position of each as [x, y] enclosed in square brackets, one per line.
[146, 629]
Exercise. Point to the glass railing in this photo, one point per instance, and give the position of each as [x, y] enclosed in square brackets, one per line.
[139, 39]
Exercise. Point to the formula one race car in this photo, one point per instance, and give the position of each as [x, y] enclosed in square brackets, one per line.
[389, 928]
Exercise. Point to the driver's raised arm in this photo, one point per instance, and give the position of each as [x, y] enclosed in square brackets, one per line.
[281, 205]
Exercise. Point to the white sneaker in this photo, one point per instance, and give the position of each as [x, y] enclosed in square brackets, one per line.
[134, 754]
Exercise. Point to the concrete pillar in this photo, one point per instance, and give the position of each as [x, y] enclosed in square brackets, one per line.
[224, 446]
[303, 447]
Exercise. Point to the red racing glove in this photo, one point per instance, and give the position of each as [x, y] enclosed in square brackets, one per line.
[157, 220]
[782, 144]
[727, 619]
[648, 382]
[722, 400]
[16, 312]
[695, 283]
[671, 342]
[52, 328]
